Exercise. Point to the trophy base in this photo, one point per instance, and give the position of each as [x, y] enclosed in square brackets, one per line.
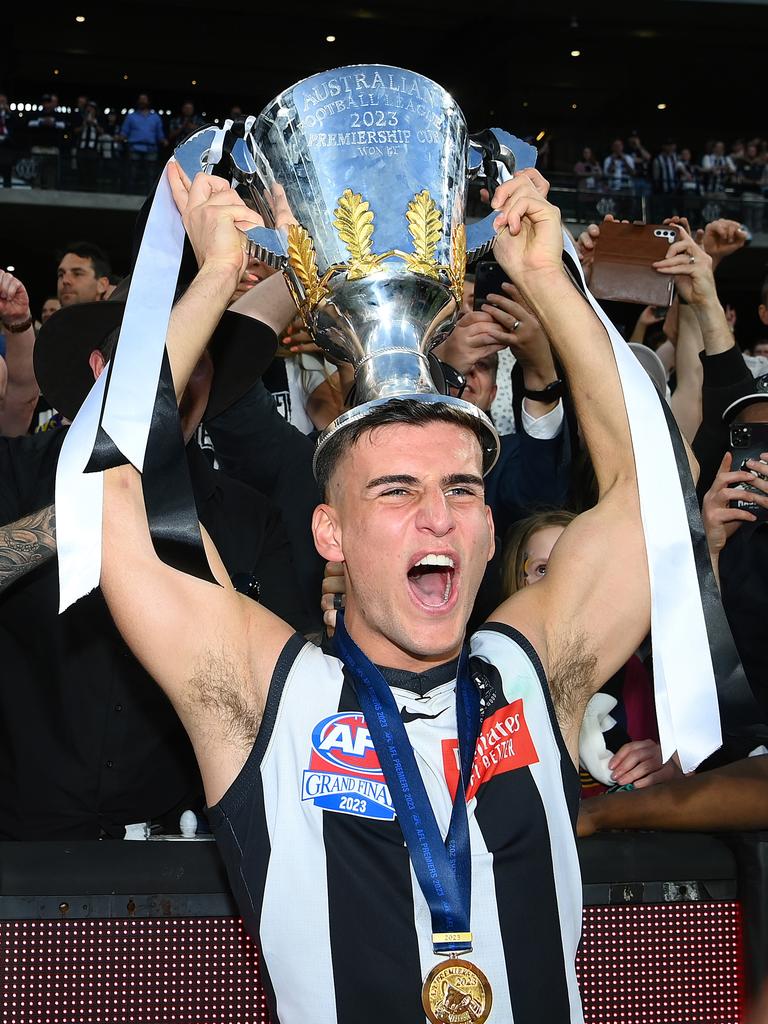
[491, 444]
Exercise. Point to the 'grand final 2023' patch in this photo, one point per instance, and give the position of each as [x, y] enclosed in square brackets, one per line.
[344, 773]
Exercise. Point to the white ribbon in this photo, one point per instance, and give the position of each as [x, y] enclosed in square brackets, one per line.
[684, 681]
[79, 498]
[139, 355]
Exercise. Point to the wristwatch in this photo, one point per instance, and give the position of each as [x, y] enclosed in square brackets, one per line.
[550, 393]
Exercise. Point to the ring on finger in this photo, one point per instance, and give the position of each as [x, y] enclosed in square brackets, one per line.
[338, 602]
[691, 259]
[515, 325]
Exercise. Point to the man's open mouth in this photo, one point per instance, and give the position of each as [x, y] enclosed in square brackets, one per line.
[431, 579]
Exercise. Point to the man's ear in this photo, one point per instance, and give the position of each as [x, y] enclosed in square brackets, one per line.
[762, 312]
[326, 529]
[491, 531]
[97, 362]
[102, 283]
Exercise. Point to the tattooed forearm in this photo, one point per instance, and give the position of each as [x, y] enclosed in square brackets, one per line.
[26, 544]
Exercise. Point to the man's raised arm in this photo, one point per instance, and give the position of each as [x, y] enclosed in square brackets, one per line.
[593, 609]
[211, 649]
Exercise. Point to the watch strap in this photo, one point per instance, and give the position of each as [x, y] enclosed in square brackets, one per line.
[550, 393]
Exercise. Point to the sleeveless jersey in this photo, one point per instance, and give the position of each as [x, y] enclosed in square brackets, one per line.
[318, 865]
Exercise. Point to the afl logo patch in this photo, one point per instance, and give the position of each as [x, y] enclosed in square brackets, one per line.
[344, 773]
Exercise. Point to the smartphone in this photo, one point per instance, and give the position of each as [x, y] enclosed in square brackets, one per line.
[489, 278]
[748, 441]
[622, 267]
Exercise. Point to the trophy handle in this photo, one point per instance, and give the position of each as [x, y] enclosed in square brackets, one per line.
[494, 155]
[232, 152]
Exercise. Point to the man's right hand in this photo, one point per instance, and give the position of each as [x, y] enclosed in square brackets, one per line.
[475, 336]
[212, 212]
[720, 520]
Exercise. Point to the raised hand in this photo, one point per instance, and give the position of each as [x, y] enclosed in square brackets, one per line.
[524, 335]
[720, 520]
[691, 268]
[214, 217]
[14, 301]
[529, 236]
[476, 336]
[721, 238]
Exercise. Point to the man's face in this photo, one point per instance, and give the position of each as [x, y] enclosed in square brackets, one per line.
[617, 147]
[77, 281]
[50, 306]
[761, 347]
[407, 516]
[481, 383]
[142, 102]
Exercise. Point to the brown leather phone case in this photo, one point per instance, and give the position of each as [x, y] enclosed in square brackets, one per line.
[622, 269]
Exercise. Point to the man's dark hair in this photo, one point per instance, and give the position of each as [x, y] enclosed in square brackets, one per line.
[408, 411]
[764, 291]
[88, 251]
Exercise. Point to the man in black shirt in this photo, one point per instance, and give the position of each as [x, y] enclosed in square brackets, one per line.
[738, 538]
[88, 741]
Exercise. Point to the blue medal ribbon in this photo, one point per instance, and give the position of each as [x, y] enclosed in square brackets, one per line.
[443, 868]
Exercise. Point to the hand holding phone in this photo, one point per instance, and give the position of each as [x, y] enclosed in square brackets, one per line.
[622, 267]
[489, 278]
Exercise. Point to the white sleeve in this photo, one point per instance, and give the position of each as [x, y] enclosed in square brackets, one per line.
[545, 427]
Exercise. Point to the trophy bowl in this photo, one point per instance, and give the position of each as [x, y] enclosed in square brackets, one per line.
[375, 162]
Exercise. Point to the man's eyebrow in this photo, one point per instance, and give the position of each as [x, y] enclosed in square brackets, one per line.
[463, 478]
[395, 478]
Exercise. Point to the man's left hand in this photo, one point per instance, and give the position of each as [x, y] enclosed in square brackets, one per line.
[523, 335]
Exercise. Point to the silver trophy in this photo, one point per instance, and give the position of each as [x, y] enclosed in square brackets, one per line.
[375, 162]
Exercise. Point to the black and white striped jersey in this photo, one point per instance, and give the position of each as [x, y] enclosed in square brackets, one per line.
[317, 861]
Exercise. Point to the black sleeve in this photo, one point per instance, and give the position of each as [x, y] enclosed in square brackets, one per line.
[726, 378]
[254, 444]
[279, 582]
[28, 473]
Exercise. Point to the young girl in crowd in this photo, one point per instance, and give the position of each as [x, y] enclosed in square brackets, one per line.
[618, 744]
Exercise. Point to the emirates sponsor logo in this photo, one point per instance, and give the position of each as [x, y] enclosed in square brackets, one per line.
[503, 745]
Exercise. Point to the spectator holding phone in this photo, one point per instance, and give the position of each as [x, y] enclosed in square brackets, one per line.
[735, 514]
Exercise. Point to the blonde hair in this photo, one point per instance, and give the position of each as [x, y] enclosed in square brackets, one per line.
[516, 545]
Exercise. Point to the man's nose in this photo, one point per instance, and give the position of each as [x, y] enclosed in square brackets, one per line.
[435, 513]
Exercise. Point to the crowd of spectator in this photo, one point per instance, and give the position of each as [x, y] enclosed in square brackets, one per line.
[110, 755]
[631, 166]
[90, 146]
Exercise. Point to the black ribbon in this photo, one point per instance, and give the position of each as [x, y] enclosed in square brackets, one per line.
[168, 495]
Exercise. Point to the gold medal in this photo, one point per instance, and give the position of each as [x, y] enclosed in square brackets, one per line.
[456, 992]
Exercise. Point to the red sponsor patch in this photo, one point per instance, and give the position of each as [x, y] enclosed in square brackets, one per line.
[504, 744]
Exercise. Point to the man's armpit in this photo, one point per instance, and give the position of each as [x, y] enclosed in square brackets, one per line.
[221, 704]
[572, 671]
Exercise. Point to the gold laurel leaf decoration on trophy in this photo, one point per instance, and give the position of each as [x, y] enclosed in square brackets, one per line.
[459, 263]
[425, 223]
[301, 259]
[354, 222]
